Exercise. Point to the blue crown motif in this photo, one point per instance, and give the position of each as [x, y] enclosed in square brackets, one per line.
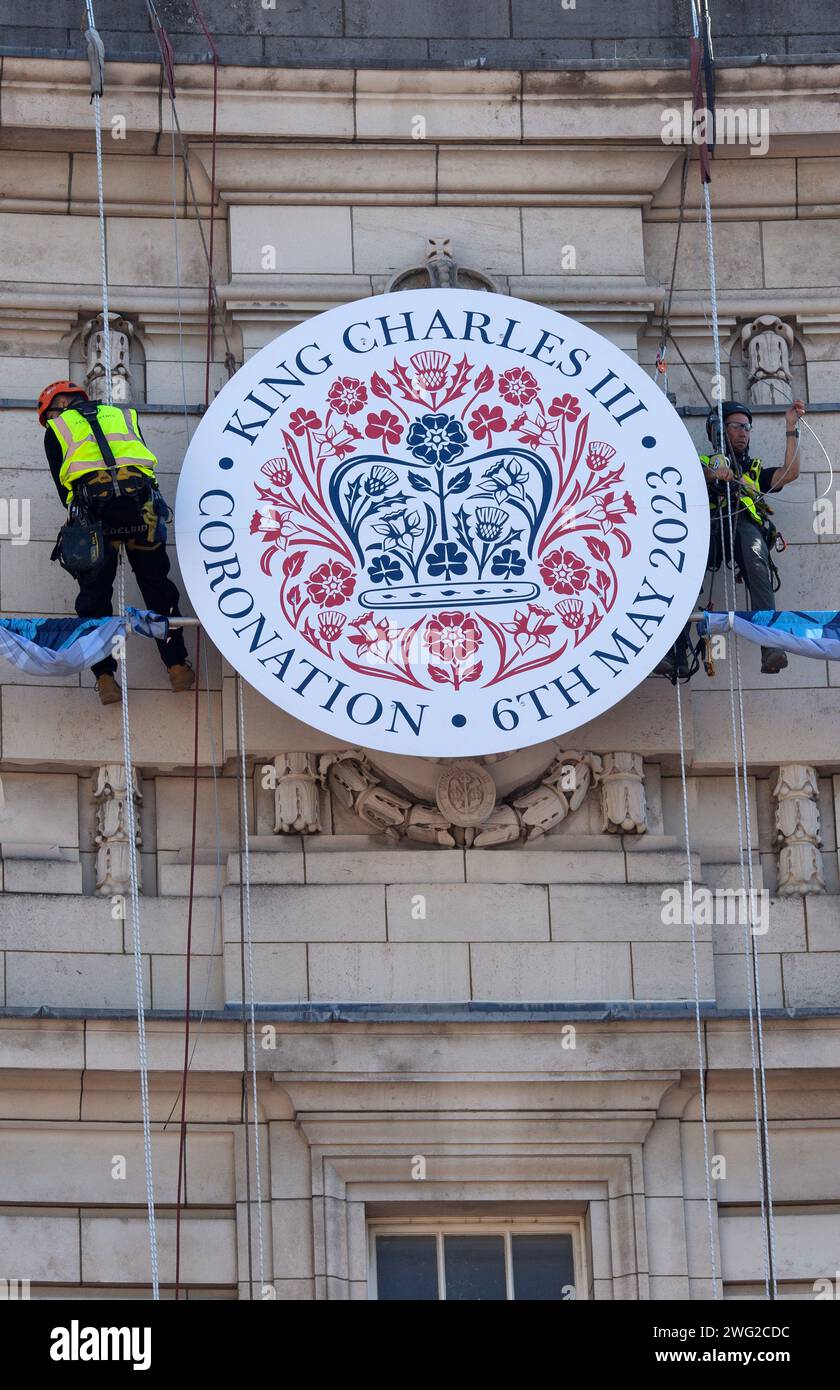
[442, 528]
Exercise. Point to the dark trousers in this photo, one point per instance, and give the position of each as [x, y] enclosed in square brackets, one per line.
[753, 560]
[754, 563]
[151, 568]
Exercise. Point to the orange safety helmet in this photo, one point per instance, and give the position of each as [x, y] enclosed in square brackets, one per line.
[57, 388]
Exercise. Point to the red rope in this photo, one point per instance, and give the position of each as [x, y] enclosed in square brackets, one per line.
[182, 1143]
[182, 1146]
[215, 52]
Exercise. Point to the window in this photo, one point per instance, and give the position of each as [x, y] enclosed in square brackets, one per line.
[421, 1261]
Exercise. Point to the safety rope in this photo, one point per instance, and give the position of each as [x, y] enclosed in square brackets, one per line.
[95, 44]
[741, 788]
[210, 282]
[665, 322]
[182, 1139]
[166, 55]
[97, 60]
[701, 1062]
[751, 951]
[245, 891]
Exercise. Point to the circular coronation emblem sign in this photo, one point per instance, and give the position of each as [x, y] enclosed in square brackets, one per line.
[442, 522]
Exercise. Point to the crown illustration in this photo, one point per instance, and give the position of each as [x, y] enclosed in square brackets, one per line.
[442, 529]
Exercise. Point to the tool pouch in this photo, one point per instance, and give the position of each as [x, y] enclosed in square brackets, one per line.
[80, 545]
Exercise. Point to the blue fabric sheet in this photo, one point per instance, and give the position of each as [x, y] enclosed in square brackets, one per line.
[62, 646]
[805, 634]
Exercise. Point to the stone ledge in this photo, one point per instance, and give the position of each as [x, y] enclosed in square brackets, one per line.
[42, 876]
[545, 866]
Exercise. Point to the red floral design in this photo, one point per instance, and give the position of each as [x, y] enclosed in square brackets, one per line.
[452, 636]
[300, 530]
[385, 426]
[531, 628]
[340, 441]
[330, 624]
[347, 395]
[485, 420]
[518, 386]
[566, 407]
[609, 512]
[277, 471]
[564, 572]
[571, 612]
[535, 433]
[275, 526]
[599, 455]
[330, 584]
[302, 420]
[374, 637]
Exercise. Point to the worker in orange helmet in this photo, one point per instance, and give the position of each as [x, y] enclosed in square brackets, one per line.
[104, 472]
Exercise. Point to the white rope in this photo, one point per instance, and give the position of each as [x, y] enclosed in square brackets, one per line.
[134, 891]
[246, 883]
[701, 1063]
[134, 899]
[103, 253]
[752, 957]
[756, 1060]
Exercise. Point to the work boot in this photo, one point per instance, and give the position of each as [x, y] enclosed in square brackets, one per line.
[107, 689]
[182, 677]
[672, 667]
[772, 661]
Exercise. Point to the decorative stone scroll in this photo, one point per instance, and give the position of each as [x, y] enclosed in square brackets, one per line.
[113, 875]
[767, 342]
[798, 830]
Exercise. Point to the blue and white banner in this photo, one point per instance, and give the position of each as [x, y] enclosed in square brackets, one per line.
[62, 646]
[804, 634]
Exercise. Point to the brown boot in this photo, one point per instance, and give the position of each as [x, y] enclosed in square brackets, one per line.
[773, 660]
[108, 690]
[182, 677]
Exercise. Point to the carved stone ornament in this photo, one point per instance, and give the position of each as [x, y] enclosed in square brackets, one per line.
[767, 342]
[798, 830]
[93, 344]
[467, 812]
[623, 804]
[110, 792]
[440, 270]
[465, 793]
[297, 809]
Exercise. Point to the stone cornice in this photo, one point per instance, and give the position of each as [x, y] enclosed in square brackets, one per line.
[58, 311]
[420, 172]
[624, 105]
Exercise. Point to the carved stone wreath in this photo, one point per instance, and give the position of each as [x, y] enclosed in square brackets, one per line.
[467, 812]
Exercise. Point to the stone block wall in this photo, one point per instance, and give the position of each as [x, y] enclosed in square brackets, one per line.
[370, 955]
[387, 33]
[510, 1121]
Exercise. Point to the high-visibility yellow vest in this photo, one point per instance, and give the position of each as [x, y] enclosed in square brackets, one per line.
[81, 453]
[752, 474]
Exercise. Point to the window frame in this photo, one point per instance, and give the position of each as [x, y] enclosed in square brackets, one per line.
[488, 1226]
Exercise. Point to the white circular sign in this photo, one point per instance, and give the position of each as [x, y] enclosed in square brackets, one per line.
[442, 522]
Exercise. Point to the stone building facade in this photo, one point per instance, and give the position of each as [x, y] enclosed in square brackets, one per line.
[460, 1033]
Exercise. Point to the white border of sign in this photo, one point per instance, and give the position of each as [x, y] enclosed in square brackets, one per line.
[665, 525]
